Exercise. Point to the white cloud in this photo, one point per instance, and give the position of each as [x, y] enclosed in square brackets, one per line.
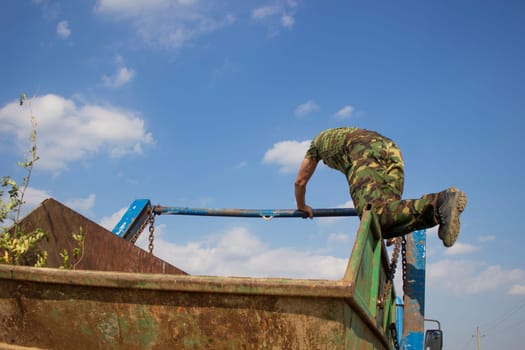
[461, 248]
[487, 238]
[63, 30]
[345, 112]
[68, 132]
[123, 76]
[338, 237]
[292, 3]
[287, 21]
[242, 164]
[283, 10]
[83, 205]
[517, 289]
[130, 8]
[240, 253]
[306, 108]
[464, 277]
[168, 23]
[34, 197]
[287, 154]
[265, 11]
[50, 9]
[109, 222]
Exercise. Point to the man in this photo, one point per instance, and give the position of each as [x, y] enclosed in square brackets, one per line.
[374, 168]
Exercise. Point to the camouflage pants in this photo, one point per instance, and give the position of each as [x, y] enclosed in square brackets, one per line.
[377, 178]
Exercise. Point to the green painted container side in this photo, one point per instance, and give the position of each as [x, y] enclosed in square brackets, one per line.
[51, 308]
[367, 270]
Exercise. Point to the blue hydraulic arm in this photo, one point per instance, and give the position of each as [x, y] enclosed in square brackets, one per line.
[253, 213]
[141, 209]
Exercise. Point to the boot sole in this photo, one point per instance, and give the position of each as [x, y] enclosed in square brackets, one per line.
[462, 200]
[453, 230]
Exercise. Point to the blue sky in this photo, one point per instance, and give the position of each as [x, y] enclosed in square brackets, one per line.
[202, 103]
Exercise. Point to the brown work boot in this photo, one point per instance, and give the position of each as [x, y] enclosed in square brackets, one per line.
[451, 204]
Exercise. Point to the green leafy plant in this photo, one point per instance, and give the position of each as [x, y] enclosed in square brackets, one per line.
[16, 246]
[78, 251]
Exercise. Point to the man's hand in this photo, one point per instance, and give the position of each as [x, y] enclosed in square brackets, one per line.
[308, 210]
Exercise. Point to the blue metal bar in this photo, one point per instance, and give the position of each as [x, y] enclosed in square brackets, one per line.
[399, 318]
[129, 225]
[414, 297]
[253, 213]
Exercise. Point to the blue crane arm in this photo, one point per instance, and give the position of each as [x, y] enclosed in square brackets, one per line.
[139, 211]
[253, 213]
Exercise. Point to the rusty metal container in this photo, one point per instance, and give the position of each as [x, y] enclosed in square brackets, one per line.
[142, 302]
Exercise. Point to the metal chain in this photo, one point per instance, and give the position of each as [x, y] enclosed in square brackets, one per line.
[404, 261]
[390, 273]
[399, 243]
[393, 328]
[393, 332]
[151, 221]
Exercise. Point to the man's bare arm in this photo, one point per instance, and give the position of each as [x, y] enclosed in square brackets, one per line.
[304, 174]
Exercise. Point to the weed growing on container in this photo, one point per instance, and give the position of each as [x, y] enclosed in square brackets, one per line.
[15, 244]
[78, 252]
